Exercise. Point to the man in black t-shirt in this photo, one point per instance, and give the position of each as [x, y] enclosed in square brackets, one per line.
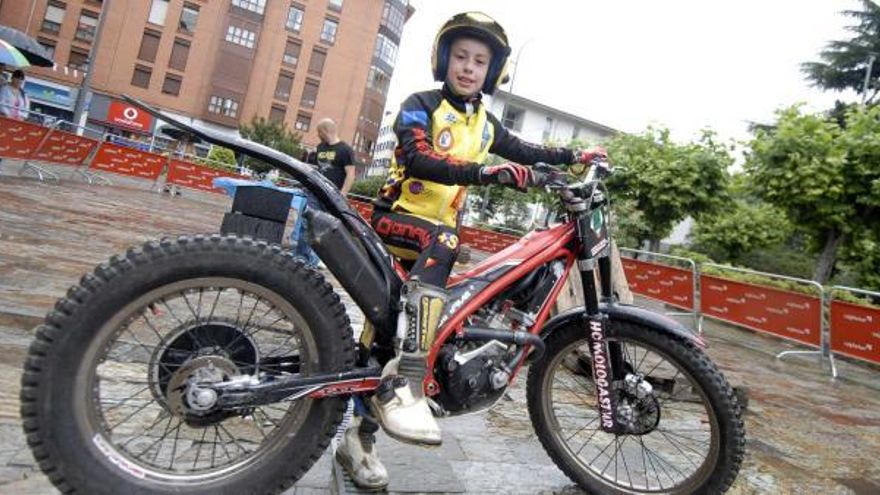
[335, 159]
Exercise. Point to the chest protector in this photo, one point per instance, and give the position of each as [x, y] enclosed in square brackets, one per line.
[465, 137]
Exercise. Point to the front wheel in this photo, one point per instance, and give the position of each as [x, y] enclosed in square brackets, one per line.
[683, 434]
[105, 399]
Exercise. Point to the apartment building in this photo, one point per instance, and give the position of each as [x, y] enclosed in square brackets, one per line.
[218, 63]
[539, 123]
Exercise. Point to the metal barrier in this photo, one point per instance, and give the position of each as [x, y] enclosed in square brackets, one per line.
[672, 285]
[789, 315]
[64, 144]
[854, 328]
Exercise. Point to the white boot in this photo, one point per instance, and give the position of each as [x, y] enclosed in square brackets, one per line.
[357, 454]
[402, 409]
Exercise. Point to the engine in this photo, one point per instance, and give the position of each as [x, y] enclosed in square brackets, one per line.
[471, 379]
[473, 375]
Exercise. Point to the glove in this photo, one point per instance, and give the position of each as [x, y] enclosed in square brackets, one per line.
[587, 156]
[508, 174]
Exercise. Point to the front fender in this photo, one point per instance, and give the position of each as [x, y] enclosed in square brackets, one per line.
[623, 313]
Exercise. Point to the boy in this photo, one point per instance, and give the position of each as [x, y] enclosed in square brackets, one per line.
[443, 137]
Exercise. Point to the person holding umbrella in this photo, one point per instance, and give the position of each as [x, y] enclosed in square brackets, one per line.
[14, 102]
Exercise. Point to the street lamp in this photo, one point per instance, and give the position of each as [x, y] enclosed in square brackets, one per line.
[79, 107]
[516, 63]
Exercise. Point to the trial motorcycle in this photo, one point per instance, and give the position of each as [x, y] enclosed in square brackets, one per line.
[222, 364]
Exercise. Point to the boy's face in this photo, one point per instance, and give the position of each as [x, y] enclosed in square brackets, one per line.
[468, 64]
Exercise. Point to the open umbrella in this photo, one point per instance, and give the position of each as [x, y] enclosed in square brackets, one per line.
[29, 47]
[11, 56]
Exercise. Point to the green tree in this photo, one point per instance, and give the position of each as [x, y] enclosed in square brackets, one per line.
[274, 135]
[668, 181]
[740, 229]
[845, 62]
[823, 176]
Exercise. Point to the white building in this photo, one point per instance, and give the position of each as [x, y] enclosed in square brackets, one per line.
[384, 147]
[539, 123]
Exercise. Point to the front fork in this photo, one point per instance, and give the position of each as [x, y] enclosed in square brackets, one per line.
[607, 357]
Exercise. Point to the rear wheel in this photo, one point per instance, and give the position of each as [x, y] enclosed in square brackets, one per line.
[683, 434]
[104, 396]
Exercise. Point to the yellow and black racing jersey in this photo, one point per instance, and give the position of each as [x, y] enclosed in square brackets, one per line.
[441, 141]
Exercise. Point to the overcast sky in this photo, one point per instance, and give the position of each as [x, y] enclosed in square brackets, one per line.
[684, 64]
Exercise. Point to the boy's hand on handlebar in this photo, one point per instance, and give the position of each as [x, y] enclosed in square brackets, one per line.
[508, 174]
[591, 155]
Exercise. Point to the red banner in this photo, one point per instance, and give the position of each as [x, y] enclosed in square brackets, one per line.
[486, 240]
[782, 313]
[129, 116]
[672, 285]
[128, 161]
[855, 330]
[19, 139]
[66, 148]
[362, 207]
[186, 174]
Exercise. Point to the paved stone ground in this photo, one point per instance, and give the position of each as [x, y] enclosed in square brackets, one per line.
[806, 432]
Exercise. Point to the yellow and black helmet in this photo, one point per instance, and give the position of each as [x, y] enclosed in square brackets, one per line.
[482, 27]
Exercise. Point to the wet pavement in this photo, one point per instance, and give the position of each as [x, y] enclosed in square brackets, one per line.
[806, 433]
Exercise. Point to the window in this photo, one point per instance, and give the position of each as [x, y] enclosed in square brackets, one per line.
[241, 36]
[392, 17]
[295, 18]
[189, 16]
[179, 54]
[328, 33]
[85, 30]
[223, 106]
[303, 121]
[276, 114]
[257, 6]
[158, 11]
[378, 80]
[310, 94]
[316, 63]
[171, 86]
[291, 53]
[149, 46]
[512, 118]
[54, 17]
[78, 60]
[548, 128]
[335, 5]
[282, 87]
[575, 132]
[386, 50]
[49, 45]
[141, 76]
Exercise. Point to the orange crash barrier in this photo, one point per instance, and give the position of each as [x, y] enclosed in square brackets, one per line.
[187, 174]
[779, 312]
[669, 284]
[855, 330]
[19, 139]
[122, 160]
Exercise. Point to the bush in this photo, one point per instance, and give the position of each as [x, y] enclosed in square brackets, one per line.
[368, 186]
[219, 158]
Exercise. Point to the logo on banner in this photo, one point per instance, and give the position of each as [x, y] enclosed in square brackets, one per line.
[128, 116]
